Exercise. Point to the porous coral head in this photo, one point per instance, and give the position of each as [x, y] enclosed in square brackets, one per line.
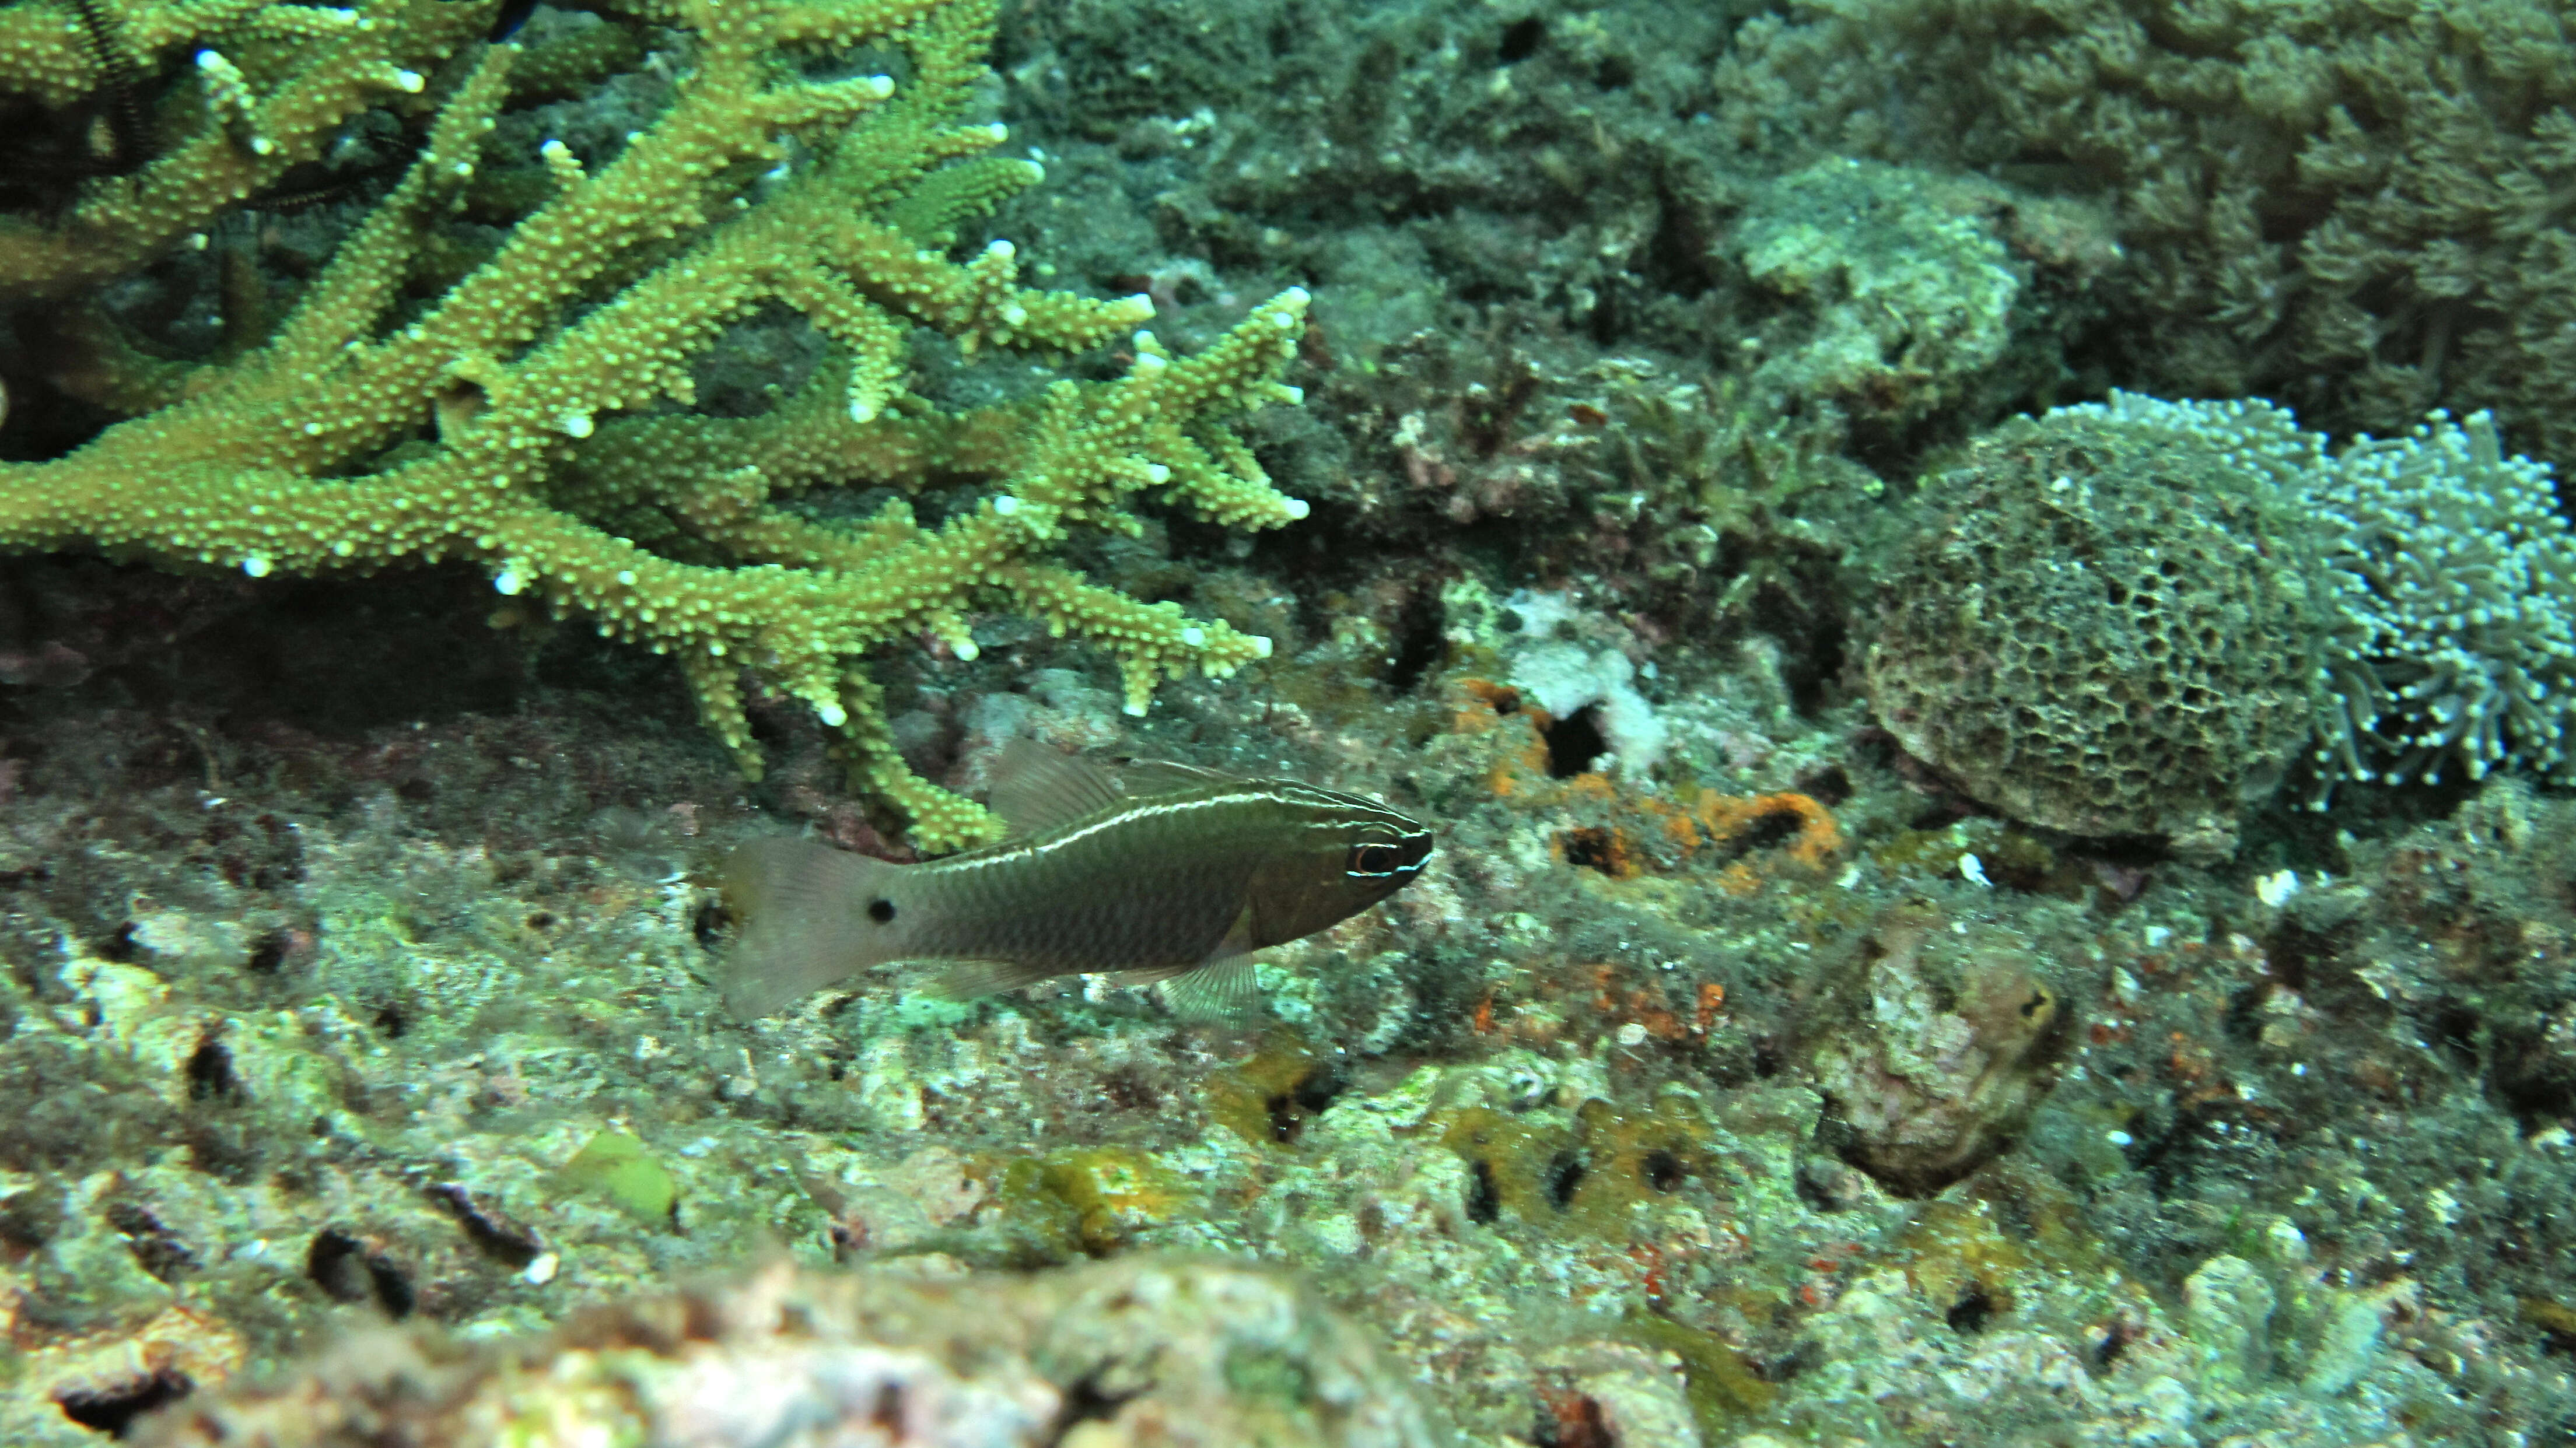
[2102, 625]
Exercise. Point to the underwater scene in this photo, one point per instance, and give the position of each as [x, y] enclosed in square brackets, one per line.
[1257, 723]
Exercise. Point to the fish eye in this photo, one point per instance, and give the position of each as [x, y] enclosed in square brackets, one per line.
[1371, 859]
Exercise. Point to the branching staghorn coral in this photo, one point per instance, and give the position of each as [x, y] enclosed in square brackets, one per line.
[276, 84]
[486, 425]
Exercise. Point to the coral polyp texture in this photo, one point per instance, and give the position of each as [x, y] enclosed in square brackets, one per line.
[2130, 617]
[537, 416]
[2103, 627]
[2455, 641]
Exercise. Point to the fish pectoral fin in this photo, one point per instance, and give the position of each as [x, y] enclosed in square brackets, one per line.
[961, 980]
[1223, 989]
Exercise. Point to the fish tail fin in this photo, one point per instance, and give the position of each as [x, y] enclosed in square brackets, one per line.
[805, 921]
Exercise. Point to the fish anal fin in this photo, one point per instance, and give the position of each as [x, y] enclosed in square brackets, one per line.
[960, 980]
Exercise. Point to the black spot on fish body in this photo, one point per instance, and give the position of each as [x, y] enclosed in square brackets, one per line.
[881, 910]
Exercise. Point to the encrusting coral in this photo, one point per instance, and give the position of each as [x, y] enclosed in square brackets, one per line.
[371, 428]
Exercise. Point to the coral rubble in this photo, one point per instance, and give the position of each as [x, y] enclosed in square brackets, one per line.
[1142, 1351]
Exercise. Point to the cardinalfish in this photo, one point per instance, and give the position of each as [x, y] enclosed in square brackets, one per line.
[1154, 872]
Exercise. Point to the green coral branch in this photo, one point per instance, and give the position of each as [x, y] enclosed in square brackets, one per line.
[278, 83]
[521, 422]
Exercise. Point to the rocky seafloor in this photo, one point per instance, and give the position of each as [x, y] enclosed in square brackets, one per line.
[1730, 1078]
[1729, 1112]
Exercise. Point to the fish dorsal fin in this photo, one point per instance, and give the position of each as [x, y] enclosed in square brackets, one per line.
[1142, 778]
[1037, 789]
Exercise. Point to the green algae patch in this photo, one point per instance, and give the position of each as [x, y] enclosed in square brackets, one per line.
[2554, 1319]
[1028, 1224]
[2008, 856]
[1267, 1097]
[615, 1167]
[1983, 1243]
[1593, 1175]
[1115, 1192]
[1722, 1387]
[1082, 1200]
[1269, 1375]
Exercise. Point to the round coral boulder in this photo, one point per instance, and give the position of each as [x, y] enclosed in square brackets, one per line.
[2102, 622]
